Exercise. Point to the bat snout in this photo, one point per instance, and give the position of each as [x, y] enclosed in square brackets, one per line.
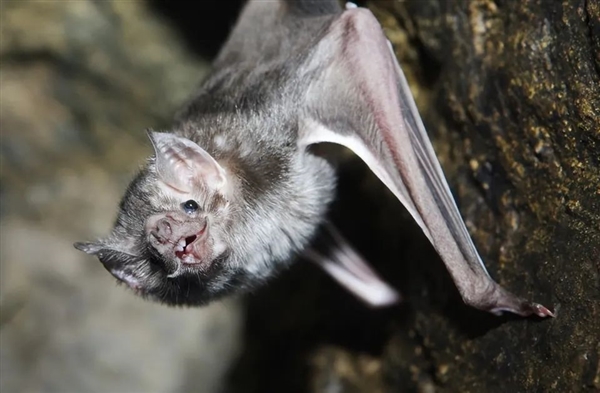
[170, 230]
[163, 229]
[179, 239]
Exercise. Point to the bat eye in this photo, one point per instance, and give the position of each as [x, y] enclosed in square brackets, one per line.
[190, 206]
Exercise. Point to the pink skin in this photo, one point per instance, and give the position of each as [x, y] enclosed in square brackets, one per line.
[178, 236]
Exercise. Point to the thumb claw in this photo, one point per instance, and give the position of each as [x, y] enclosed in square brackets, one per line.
[541, 311]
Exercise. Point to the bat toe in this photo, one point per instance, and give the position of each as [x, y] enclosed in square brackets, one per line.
[541, 311]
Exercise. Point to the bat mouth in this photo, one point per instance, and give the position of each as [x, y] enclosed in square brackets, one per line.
[186, 250]
[184, 245]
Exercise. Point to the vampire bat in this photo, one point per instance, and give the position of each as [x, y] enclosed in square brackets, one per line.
[232, 192]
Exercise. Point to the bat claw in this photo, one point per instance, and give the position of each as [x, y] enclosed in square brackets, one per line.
[498, 300]
[541, 311]
[523, 309]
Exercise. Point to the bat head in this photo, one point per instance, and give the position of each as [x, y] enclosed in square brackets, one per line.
[170, 238]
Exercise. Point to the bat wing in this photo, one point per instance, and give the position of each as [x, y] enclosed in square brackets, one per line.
[358, 97]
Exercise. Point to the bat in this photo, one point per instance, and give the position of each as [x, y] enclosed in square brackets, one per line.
[233, 193]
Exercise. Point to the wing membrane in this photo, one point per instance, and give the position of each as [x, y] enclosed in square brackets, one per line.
[359, 98]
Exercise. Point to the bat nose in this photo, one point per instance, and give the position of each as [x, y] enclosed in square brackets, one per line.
[163, 229]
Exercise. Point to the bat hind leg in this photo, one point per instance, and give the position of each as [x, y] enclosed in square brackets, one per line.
[346, 266]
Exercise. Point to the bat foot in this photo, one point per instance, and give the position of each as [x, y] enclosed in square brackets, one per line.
[524, 310]
[541, 311]
[504, 301]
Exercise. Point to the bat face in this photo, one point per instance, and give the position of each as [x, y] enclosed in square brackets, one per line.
[190, 202]
[170, 237]
[188, 232]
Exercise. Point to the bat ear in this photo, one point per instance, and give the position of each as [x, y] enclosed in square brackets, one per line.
[116, 242]
[89, 247]
[183, 165]
[111, 255]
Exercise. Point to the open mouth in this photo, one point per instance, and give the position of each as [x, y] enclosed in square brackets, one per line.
[184, 246]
